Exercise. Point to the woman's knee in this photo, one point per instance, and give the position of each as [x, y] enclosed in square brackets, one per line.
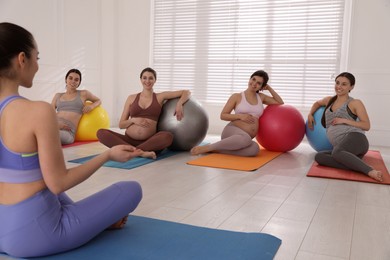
[108, 138]
[66, 137]
[102, 134]
[131, 191]
[254, 149]
[320, 158]
[246, 140]
[165, 136]
[337, 152]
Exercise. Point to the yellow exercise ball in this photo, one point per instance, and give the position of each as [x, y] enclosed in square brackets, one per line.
[90, 123]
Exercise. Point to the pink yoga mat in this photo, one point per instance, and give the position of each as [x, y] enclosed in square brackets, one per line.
[76, 143]
[372, 158]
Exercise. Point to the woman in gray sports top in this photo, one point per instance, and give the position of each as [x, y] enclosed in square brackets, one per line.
[71, 106]
[346, 121]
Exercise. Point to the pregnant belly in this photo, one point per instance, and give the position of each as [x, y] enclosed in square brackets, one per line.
[251, 129]
[140, 133]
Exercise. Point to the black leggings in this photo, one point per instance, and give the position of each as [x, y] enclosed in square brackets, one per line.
[157, 142]
[347, 155]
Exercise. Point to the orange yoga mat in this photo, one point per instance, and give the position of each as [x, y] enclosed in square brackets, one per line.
[372, 158]
[233, 162]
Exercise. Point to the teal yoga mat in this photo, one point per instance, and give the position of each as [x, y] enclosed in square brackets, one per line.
[147, 238]
[133, 163]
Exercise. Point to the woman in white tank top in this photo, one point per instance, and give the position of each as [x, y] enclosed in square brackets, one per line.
[243, 124]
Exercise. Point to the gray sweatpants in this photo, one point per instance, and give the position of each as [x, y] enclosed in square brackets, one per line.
[67, 136]
[347, 155]
[236, 141]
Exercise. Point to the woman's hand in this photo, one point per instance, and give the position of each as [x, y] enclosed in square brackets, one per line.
[266, 87]
[183, 96]
[87, 109]
[179, 113]
[339, 121]
[123, 153]
[310, 121]
[142, 122]
[63, 126]
[273, 99]
[247, 118]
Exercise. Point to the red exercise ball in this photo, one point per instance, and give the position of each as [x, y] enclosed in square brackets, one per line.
[281, 128]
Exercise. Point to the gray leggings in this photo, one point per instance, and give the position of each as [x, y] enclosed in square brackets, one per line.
[67, 136]
[236, 141]
[347, 155]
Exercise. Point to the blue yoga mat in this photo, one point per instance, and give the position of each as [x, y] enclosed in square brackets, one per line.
[146, 238]
[133, 163]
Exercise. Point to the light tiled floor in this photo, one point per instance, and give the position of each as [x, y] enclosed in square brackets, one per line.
[315, 218]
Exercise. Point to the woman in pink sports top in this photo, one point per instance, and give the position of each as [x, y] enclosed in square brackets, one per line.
[237, 136]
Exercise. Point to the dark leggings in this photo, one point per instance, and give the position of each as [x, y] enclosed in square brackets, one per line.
[157, 142]
[347, 155]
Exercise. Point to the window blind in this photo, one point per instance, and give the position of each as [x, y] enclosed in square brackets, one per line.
[213, 46]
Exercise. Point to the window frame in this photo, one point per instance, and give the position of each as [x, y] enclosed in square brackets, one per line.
[174, 78]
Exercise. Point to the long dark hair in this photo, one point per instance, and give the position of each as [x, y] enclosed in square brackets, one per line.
[262, 74]
[73, 71]
[351, 79]
[148, 69]
[14, 39]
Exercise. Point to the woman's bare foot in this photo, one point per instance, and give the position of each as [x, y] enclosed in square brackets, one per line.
[151, 155]
[200, 149]
[120, 224]
[376, 175]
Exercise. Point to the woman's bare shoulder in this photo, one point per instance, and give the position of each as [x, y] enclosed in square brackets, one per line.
[58, 94]
[356, 102]
[40, 112]
[235, 96]
[41, 106]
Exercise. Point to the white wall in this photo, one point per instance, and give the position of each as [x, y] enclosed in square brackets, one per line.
[109, 41]
[125, 51]
[369, 60]
[65, 39]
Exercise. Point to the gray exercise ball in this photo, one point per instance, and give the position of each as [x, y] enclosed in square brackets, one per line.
[192, 128]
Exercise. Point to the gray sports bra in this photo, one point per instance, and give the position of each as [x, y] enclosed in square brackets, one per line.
[76, 105]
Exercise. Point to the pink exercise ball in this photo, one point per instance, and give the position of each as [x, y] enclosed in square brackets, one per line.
[281, 128]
